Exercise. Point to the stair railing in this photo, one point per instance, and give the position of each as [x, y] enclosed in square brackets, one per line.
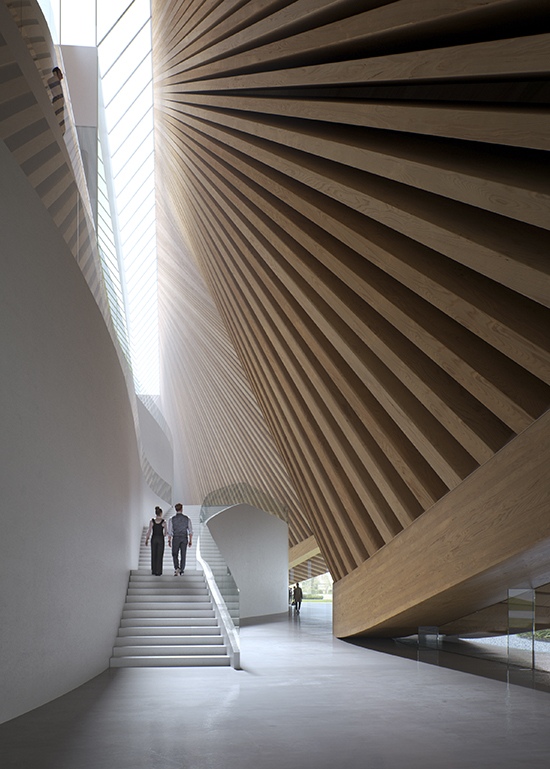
[224, 593]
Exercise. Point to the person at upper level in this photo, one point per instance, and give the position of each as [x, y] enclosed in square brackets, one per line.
[57, 96]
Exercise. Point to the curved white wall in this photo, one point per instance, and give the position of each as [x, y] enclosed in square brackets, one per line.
[156, 445]
[254, 544]
[70, 474]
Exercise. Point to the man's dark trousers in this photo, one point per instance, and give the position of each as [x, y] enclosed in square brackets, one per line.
[179, 552]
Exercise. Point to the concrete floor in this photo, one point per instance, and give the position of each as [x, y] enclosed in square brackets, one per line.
[304, 699]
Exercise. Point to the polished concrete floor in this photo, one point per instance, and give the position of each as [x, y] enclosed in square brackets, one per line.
[303, 699]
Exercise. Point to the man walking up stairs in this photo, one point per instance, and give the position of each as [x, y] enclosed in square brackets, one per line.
[167, 620]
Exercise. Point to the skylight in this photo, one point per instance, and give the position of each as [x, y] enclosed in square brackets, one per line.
[122, 31]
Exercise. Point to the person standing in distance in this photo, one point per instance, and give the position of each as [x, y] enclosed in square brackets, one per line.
[298, 595]
[180, 537]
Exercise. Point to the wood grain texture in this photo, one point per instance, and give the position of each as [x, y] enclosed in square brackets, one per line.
[365, 197]
[304, 551]
[215, 419]
[308, 569]
[492, 533]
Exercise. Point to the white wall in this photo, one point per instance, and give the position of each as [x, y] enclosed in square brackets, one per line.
[80, 84]
[81, 74]
[254, 544]
[156, 445]
[70, 477]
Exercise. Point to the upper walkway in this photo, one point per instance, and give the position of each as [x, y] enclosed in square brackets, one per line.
[303, 699]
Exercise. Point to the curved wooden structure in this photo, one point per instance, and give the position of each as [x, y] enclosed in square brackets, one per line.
[355, 280]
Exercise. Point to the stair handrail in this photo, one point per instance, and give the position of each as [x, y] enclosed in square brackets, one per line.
[227, 626]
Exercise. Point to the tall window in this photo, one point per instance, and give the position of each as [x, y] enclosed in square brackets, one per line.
[121, 29]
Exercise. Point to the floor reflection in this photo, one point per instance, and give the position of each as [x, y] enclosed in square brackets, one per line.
[474, 657]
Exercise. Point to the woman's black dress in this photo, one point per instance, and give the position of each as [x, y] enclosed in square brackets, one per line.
[157, 548]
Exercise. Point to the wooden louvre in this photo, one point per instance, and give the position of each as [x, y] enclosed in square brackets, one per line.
[353, 204]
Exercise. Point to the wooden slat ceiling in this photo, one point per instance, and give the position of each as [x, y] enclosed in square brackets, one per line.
[308, 569]
[223, 446]
[365, 197]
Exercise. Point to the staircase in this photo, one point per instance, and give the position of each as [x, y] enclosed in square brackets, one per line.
[168, 621]
[225, 582]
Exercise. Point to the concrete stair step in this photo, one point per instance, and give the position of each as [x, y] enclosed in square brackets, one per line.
[168, 588]
[167, 640]
[167, 570]
[167, 650]
[169, 622]
[167, 567]
[146, 588]
[158, 583]
[167, 577]
[196, 596]
[152, 595]
[160, 661]
[176, 613]
[135, 631]
[159, 603]
[145, 555]
[175, 584]
[169, 597]
[146, 572]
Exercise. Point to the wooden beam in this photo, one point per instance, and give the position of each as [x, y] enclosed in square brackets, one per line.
[525, 56]
[491, 533]
[303, 551]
